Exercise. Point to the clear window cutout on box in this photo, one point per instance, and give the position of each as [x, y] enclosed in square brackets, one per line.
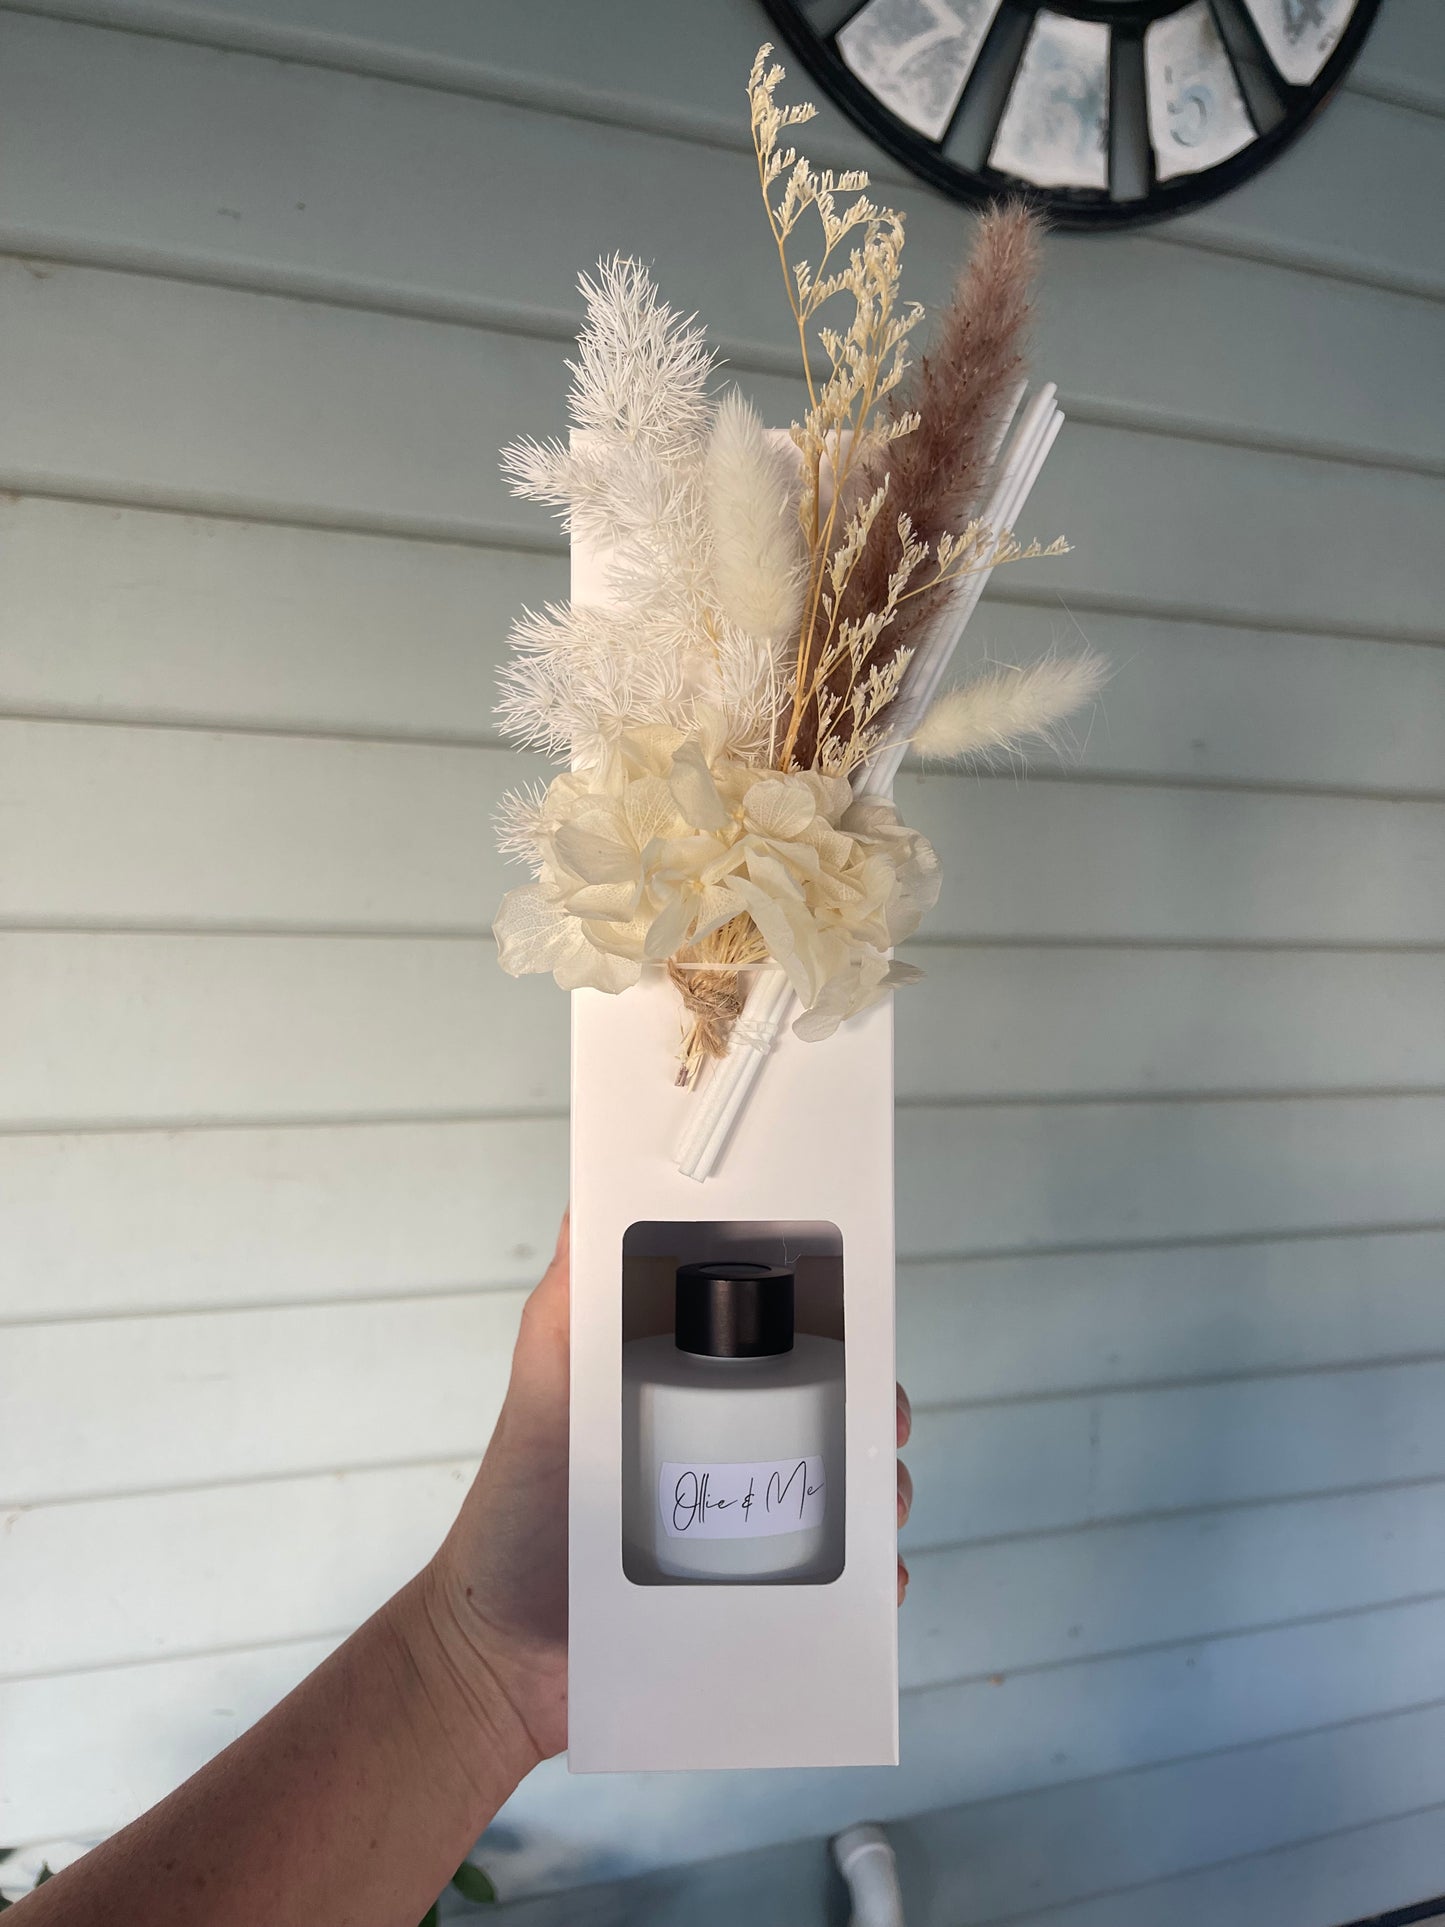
[733, 1393]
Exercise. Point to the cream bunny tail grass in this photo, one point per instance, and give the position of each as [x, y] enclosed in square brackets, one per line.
[1003, 709]
[751, 490]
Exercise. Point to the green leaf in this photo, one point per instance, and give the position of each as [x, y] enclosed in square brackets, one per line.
[429, 1918]
[474, 1884]
[47, 1872]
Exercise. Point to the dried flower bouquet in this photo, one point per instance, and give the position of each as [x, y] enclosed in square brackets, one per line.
[718, 716]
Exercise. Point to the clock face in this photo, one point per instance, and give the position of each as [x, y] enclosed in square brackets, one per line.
[1108, 112]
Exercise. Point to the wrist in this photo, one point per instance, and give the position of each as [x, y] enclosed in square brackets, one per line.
[472, 1704]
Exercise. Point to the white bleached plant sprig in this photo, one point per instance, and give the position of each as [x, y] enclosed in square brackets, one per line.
[660, 478]
[1005, 708]
[750, 493]
[717, 710]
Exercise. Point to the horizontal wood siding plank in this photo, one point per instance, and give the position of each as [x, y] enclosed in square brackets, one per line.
[1105, 1836]
[1033, 1467]
[342, 1027]
[1220, 703]
[134, 614]
[1011, 1327]
[143, 1220]
[646, 75]
[120, 825]
[1194, 528]
[229, 1567]
[330, 413]
[1102, 1174]
[314, 1027]
[1163, 1843]
[252, 1394]
[1011, 1021]
[1395, 1864]
[98, 118]
[264, 830]
[1063, 861]
[197, 1570]
[684, 70]
[323, 412]
[140, 1220]
[320, 1389]
[144, 1727]
[1404, 53]
[1295, 208]
[977, 1611]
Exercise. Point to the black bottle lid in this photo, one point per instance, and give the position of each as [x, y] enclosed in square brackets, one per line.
[732, 1309]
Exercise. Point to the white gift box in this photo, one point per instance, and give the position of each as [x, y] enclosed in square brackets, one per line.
[736, 1674]
[743, 1674]
[713, 1675]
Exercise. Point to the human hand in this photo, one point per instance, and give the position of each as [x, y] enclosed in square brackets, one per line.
[499, 1580]
[497, 1588]
[905, 1482]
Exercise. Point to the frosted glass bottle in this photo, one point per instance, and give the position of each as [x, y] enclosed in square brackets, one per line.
[733, 1438]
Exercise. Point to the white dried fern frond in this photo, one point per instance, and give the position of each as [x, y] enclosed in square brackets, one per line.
[577, 678]
[610, 489]
[1006, 707]
[629, 480]
[518, 822]
[662, 482]
[750, 490]
[642, 370]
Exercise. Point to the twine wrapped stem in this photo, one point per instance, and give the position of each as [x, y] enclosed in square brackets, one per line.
[709, 980]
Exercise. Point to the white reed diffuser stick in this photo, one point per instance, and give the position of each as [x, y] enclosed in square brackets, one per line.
[1027, 454]
[722, 1099]
[719, 1103]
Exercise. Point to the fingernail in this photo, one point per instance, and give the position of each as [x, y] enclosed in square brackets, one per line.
[904, 1421]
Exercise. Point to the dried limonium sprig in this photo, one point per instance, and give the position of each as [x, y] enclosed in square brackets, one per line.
[866, 360]
[763, 607]
[892, 463]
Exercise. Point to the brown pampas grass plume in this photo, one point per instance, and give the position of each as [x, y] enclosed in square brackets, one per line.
[960, 391]
[1000, 711]
[933, 450]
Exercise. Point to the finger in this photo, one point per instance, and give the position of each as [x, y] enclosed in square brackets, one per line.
[553, 1282]
[902, 1581]
[905, 1493]
[545, 1314]
[905, 1417]
[562, 1251]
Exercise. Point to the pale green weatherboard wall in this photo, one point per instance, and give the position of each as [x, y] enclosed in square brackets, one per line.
[282, 1147]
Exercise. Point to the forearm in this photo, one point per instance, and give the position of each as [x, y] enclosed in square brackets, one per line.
[352, 1802]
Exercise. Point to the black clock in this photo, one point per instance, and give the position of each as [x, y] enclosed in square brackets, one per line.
[1107, 112]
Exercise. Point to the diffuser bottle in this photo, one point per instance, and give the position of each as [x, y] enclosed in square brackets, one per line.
[733, 1438]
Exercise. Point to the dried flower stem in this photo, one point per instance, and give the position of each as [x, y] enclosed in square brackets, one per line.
[707, 979]
[866, 360]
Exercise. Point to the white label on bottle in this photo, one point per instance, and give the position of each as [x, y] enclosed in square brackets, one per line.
[741, 1501]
